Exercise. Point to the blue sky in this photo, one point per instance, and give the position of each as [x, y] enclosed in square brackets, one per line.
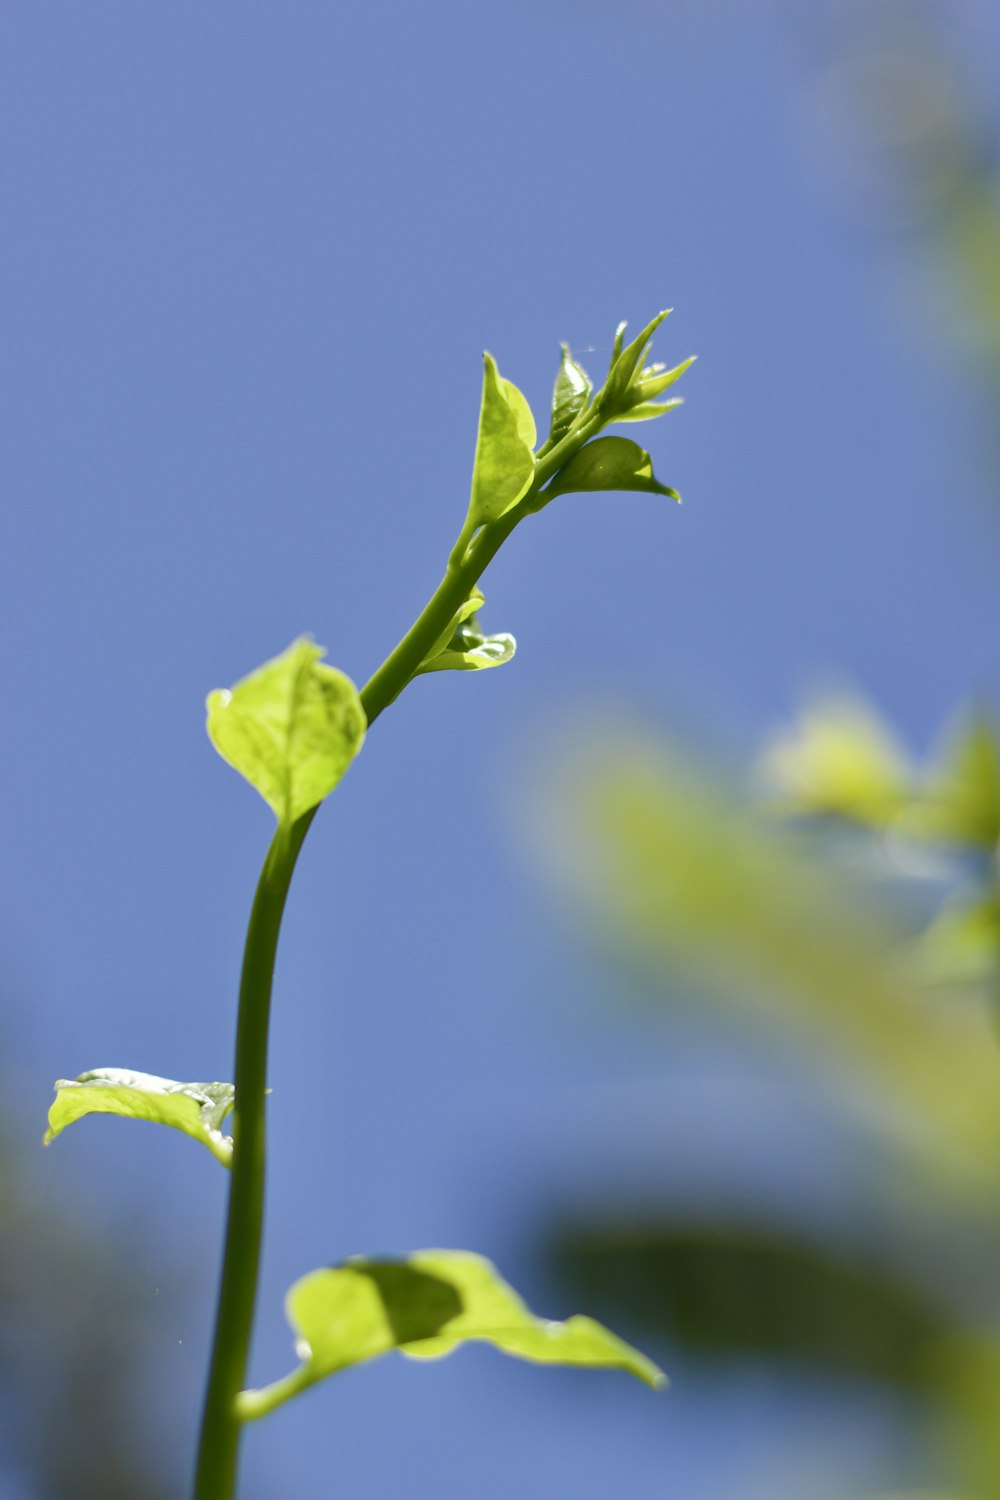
[252, 254]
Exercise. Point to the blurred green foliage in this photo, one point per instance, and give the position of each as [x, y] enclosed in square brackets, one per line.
[848, 908]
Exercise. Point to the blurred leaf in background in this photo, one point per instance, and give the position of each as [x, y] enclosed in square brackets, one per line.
[850, 916]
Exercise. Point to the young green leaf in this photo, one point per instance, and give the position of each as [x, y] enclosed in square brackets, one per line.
[657, 379]
[196, 1108]
[466, 611]
[471, 651]
[504, 465]
[639, 403]
[569, 396]
[291, 728]
[625, 362]
[616, 347]
[464, 647]
[608, 463]
[426, 1306]
[647, 410]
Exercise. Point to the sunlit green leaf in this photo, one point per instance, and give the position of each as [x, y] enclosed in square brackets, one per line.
[570, 395]
[658, 379]
[504, 465]
[609, 463]
[426, 1306]
[648, 410]
[616, 347]
[291, 728]
[840, 759]
[196, 1108]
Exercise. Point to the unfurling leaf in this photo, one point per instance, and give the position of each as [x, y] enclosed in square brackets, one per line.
[657, 379]
[196, 1108]
[471, 651]
[467, 611]
[504, 465]
[569, 396]
[291, 728]
[640, 403]
[426, 1306]
[647, 410]
[464, 647]
[630, 391]
[608, 463]
[625, 362]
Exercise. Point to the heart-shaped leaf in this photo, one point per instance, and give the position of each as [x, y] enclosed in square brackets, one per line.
[196, 1108]
[504, 465]
[608, 463]
[291, 728]
[426, 1306]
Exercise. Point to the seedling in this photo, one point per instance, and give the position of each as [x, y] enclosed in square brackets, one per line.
[292, 729]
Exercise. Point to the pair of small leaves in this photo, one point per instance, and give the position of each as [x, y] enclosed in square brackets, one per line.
[630, 391]
[291, 728]
[198, 1109]
[464, 648]
[426, 1306]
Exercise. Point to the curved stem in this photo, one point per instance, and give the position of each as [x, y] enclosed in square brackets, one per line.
[218, 1450]
[385, 685]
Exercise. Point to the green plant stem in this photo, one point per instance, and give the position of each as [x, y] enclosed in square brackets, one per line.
[385, 686]
[218, 1450]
